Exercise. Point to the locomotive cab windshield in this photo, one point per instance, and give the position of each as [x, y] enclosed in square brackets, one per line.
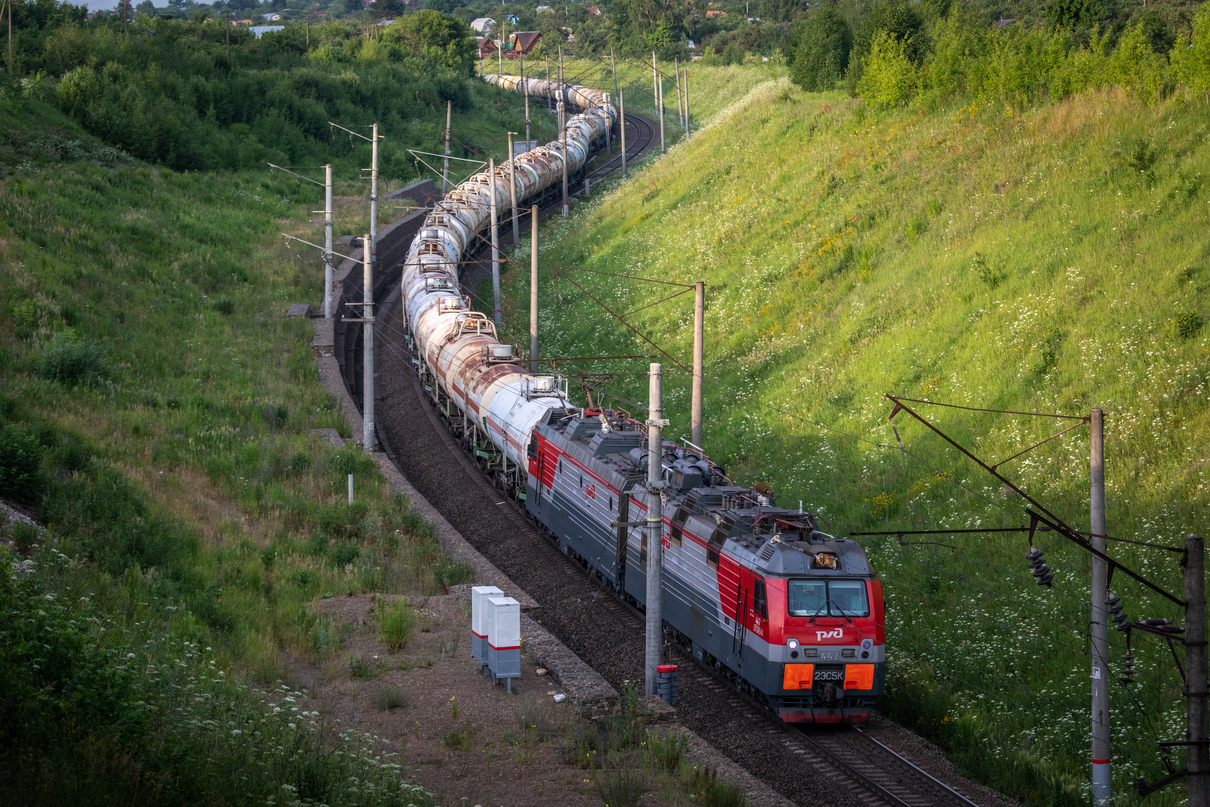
[815, 598]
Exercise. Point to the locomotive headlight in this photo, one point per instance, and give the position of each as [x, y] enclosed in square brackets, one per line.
[792, 644]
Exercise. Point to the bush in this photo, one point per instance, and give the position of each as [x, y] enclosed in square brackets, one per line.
[74, 362]
[21, 477]
[398, 623]
[620, 788]
[890, 77]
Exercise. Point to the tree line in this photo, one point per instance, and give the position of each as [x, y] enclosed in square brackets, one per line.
[198, 94]
[900, 51]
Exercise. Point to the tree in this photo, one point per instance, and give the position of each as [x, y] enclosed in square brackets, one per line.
[443, 40]
[899, 20]
[1191, 57]
[890, 77]
[821, 50]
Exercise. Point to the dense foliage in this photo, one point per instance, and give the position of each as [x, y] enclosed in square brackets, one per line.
[195, 96]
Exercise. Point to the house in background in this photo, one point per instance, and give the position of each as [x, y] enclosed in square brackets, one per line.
[715, 13]
[482, 25]
[486, 46]
[522, 43]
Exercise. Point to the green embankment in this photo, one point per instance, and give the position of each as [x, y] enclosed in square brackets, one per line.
[1051, 261]
[156, 413]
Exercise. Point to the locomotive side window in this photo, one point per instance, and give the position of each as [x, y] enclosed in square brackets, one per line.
[846, 598]
[717, 539]
[533, 449]
[760, 601]
[678, 522]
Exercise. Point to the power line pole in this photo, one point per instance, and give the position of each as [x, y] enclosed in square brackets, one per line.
[533, 289]
[491, 190]
[1100, 627]
[1196, 715]
[445, 166]
[367, 350]
[655, 525]
[699, 331]
[512, 194]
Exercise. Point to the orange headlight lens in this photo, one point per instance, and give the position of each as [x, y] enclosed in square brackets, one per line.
[798, 676]
[859, 676]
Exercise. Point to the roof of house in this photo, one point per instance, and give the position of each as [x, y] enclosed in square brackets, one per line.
[482, 24]
[716, 13]
[525, 41]
[485, 45]
[593, 10]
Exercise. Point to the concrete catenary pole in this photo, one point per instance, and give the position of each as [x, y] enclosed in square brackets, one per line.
[660, 108]
[563, 152]
[1198, 719]
[686, 102]
[491, 192]
[525, 89]
[374, 197]
[655, 525]
[699, 332]
[680, 110]
[328, 241]
[533, 289]
[367, 347]
[622, 126]
[1099, 622]
[614, 65]
[445, 166]
[655, 86]
[512, 194]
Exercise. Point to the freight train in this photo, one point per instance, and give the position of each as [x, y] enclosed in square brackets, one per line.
[791, 615]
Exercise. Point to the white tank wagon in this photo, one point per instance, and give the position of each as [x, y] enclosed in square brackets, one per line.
[489, 398]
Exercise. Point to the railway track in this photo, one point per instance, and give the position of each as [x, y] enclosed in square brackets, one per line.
[887, 776]
[809, 768]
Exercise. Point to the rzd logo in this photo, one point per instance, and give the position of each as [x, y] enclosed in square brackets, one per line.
[820, 635]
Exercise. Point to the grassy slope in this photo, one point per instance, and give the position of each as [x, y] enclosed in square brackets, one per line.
[207, 510]
[1050, 261]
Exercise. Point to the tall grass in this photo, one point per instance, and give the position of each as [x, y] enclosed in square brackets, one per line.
[1037, 261]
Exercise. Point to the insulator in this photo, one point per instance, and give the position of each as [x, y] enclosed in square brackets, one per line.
[1115, 608]
[1127, 676]
[1042, 574]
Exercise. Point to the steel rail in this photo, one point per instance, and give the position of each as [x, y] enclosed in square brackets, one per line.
[844, 767]
[916, 768]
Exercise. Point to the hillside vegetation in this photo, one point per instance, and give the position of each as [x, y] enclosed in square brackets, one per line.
[1042, 259]
[157, 417]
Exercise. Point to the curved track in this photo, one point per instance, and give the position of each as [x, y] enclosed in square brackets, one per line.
[810, 769]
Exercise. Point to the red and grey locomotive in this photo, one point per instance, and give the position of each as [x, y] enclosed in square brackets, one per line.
[789, 613]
